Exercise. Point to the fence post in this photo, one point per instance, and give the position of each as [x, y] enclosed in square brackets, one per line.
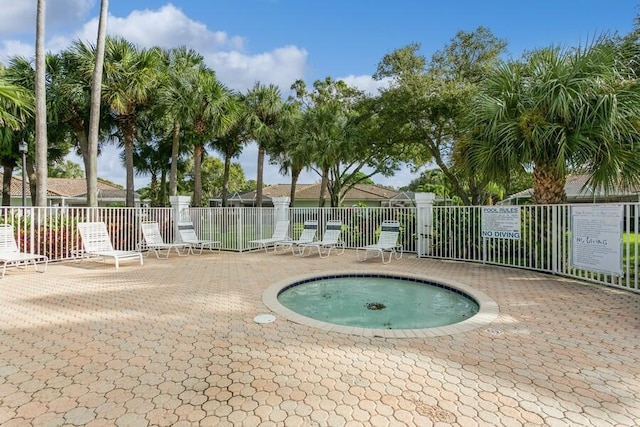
[180, 212]
[281, 205]
[424, 220]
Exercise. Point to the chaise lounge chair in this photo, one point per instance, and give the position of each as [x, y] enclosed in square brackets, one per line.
[330, 241]
[308, 235]
[279, 235]
[10, 255]
[97, 243]
[387, 242]
[188, 235]
[153, 241]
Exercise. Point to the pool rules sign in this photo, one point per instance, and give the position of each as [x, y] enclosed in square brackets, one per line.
[501, 222]
[596, 238]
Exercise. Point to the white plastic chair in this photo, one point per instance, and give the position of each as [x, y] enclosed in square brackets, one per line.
[387, 242]
[10, 255]
[308, 235]
[280, 234]
[153, 241]
[188, 235]
[330, 241]
[96, 242]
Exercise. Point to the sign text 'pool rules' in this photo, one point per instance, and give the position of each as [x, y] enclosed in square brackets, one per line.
[501, 222]
[596, 238]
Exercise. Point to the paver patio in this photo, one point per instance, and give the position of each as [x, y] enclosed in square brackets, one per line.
[173, 342]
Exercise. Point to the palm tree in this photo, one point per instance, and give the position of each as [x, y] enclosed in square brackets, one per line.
[176, 97]
[69, 102]
[561, 109]
[94, 117]
[41, 109]
[230, 144]
[264, 107]
[289, 149]
[16, 107]
[16, 103]
[217, 112]
[130, 79]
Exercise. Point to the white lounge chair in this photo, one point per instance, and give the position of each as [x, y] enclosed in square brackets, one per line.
[188, 235]
[96, 242]
[308, 235]
[10, 255]
[387, 242]
[280, 234]
[153, 241]
[330, 241]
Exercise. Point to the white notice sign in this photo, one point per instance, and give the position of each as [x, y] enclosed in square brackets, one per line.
[596, 238]
[501, 222]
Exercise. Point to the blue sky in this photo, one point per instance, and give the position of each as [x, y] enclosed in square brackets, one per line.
[279, 41]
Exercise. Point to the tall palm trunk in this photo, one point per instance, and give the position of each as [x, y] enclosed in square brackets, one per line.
[31, 174]
[128, 127]
[7, 169]
[175, 152]
[91, 160]
[41, 109]
[295, 174]
[324, 182]
[225, 178]
[197, 174]
[548, 187]
[259, 175]
[162, 197]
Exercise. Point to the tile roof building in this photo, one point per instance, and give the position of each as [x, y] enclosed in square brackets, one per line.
[70, 192]
[577, 191]
[307, 195]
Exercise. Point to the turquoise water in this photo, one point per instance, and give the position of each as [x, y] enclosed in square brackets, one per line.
[378, 302]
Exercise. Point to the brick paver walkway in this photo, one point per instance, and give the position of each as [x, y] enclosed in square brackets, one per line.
[173, 342]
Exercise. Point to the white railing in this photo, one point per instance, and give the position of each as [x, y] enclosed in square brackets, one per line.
[544, 244]
[455, 233]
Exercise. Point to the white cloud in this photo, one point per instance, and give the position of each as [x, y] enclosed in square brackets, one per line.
[19, 16]
[365, 83]
[169, 27]
[282, 67]
[166, 27]
[16, 16]
[12, 48]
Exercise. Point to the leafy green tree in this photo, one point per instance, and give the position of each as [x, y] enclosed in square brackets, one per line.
[176, 96]
[153, 156]
[65, 169]
[218, 111]
[560, 110]
[130, 79]
[16, 104]
[289, 150]
[263, 111]
[424, 108]
[20, 72]
[213, 178]
[230, 144]
[339, 131]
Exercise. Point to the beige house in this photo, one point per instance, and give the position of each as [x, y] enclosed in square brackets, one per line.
[71, 192]
[307, 195]
[578, 191]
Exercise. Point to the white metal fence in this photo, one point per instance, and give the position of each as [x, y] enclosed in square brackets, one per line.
[544, 243]
[453, 233]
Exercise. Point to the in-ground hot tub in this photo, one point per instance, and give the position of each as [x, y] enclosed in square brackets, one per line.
[381, 304]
